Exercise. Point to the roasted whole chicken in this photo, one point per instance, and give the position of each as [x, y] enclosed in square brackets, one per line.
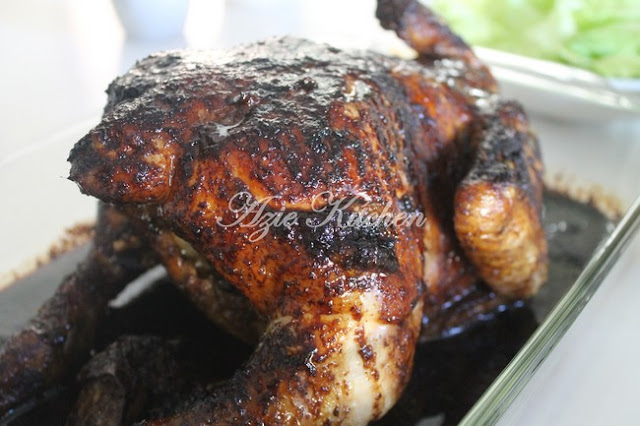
[255, 177]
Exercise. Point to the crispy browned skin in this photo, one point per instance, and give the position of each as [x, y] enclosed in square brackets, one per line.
[498, 203]
[497, 215]
[227, 307]
[287, 121]
[118, 382]
[59, 338]
[343, 305]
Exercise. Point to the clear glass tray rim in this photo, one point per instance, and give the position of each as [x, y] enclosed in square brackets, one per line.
[512, 380]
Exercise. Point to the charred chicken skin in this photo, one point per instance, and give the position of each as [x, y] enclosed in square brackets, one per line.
[189, 140]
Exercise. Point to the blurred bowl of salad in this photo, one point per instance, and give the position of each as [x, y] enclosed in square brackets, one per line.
[576, 59]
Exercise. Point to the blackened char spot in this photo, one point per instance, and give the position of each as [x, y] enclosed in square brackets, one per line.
[367, 352]
[209, 136]
[307, 84]
[367, 247]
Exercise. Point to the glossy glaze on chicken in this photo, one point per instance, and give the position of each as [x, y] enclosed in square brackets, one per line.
[189, 138]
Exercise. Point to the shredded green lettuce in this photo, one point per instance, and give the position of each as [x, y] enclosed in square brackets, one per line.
[599, 35]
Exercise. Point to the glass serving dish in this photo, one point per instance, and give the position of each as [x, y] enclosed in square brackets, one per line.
[594, 162]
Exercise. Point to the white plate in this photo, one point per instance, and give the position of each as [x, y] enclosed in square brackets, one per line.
[561, 91]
